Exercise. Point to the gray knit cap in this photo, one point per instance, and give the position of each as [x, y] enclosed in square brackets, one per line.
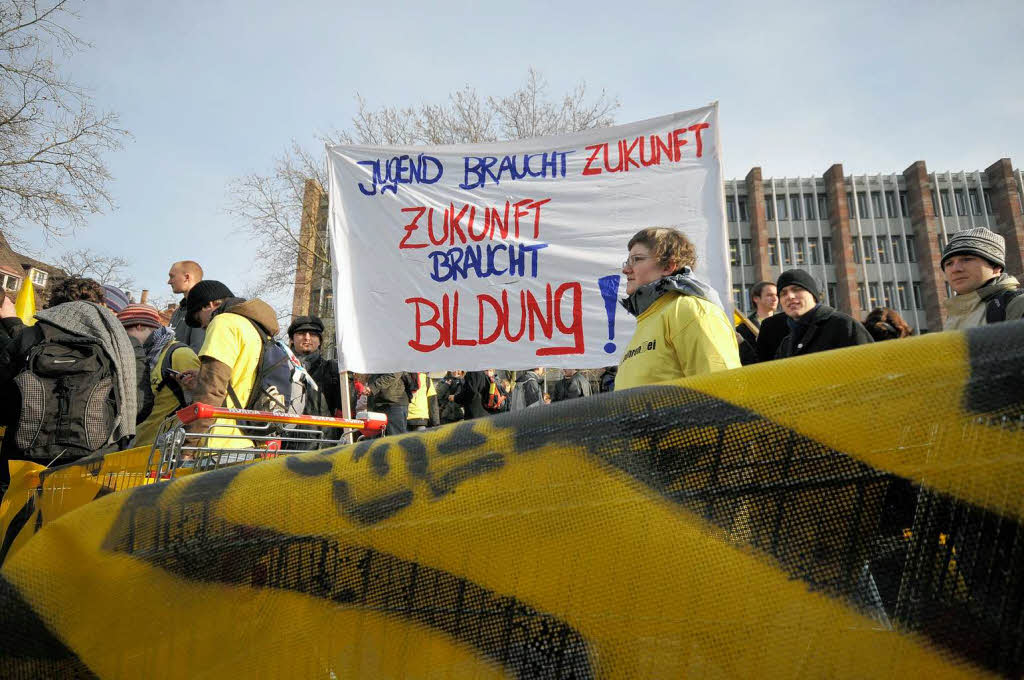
[982, 242]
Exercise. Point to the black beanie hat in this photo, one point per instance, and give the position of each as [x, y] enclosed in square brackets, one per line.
[306, 323]
[201, 294]
[800, 278]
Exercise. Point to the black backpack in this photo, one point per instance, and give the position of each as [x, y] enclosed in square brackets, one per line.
[995, 308]
[150, 394]
[68, 397]
[272, 385]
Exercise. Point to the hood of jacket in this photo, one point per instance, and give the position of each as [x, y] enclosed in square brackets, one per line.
[528, 375]
[257, 310]
[959, 305]
[683, 283]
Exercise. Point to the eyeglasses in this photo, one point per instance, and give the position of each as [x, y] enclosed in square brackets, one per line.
[632, 260]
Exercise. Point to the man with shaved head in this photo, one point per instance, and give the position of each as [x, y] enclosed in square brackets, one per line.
[181, 278]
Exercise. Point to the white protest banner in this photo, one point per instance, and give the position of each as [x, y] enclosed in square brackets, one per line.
[508, 255]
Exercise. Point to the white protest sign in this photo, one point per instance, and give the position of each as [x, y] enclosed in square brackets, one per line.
[508, 255]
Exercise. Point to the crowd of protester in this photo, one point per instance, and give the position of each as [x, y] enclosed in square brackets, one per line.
[98, 373]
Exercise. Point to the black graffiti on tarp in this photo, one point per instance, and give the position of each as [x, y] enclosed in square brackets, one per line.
[17, 524]
[522, 640]
[307, 467]
[376, 509]
[28, 647]
[996, 382]
[461, 437]
[816, 511]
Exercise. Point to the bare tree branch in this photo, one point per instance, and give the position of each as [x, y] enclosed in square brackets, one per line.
[52, 140]
[110, 269]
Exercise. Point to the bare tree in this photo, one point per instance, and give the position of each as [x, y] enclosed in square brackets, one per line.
[269, 206]
[110, 269]
[52, 140]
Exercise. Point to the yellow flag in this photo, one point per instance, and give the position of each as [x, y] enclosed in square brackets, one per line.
[737, 317]
[25, 305]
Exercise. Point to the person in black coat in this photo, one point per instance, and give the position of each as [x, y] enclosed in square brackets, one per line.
[813, 327]
[305, 335]
[766, 301]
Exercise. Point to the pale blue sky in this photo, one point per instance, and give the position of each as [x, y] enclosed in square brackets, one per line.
[214, 90]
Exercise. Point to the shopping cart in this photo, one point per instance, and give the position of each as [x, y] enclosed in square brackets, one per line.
[244, 436]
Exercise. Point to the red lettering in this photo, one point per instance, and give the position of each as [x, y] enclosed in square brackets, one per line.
[695, 129]
[418, 343]
[626, 151]
[536, 215]
[469, 227]
[663, 147]
[501, 319]
[455, 223]
[497, 221]
[655, 158]
[455, 325]
[430, 228]
[534, 311]
[521, 213]
[508, 315]
[678, 142]
[411, 227]
[617, 167]
[587, 170]
[575, 327]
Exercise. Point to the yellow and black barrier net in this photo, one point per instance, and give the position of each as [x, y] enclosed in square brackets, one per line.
[846, 514]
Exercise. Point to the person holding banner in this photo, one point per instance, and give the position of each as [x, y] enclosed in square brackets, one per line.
[682, 329]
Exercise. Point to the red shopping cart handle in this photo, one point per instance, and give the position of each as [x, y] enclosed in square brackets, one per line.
[372, 424]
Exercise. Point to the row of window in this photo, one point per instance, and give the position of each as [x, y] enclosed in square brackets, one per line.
[795, 251]
[889, 294]
[8, 282]
[961, 202]
[884, 249]
[883, 203]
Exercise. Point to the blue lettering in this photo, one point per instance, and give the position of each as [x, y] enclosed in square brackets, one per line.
[461, 262]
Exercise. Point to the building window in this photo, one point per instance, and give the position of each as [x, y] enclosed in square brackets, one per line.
[737, 297]
[745, 252]
[794, 205]
[780, 202]
[741, 203]
[904, 204]
[897, 249]
[11, 282]
[972, 195]
[812, 250]
[901, 289]
[890, 204]
[734, 252]
[935, 203]
[826, 250]
[849, 204]
[883, 250]
[876, 204]
[946, 210]
[38, 277]
[787, 252]
[769, 208]
[822, 207]
[918, 302]
[961, 204]
[868, 250]
[941, 241]
[873, 298]
[830, 291]
[809, 206]
[861, 297]
[988, 202]
[889, 294]
[798, 252]
[730, 211]
[856, 250]
[911, 250]
[949, 291]
[773, 252]
[862, 204]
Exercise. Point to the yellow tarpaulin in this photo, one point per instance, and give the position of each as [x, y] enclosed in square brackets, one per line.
[846, 514]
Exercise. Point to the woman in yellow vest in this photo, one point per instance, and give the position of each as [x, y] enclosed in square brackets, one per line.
[423, 410]
[681, 328]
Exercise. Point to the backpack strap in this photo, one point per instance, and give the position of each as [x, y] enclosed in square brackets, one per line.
[165, 363]
[995, 308]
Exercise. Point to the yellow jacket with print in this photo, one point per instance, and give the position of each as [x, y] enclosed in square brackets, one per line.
[678, 334]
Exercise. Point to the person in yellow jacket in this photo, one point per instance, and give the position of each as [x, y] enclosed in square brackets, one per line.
[160, 351]
[423, 411]
[681, 328]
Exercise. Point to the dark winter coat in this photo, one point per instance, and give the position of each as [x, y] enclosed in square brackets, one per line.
[773, 331]
[571, 388]
[821, 329]
[529, 383]
[476, 387]
[386, 389]
[328, 378]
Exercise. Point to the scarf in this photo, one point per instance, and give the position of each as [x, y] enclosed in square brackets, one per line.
[683, 283]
